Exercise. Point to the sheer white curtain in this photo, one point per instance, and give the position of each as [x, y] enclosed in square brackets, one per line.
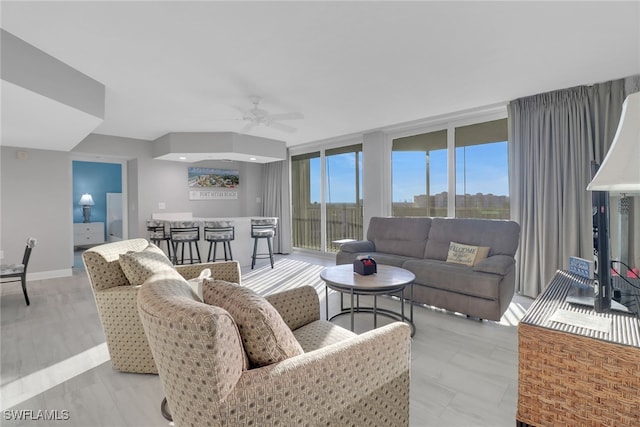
[275, 202]
[552, 139]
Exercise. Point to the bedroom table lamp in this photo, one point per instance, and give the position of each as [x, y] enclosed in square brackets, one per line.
[86, 201]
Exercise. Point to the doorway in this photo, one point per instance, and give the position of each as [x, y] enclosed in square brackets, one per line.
[106, 219]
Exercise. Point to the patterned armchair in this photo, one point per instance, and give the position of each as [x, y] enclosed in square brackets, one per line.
[212, 375]
[116, 300]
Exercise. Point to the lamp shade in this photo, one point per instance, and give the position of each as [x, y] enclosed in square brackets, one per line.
[86, 200]
[620, 169]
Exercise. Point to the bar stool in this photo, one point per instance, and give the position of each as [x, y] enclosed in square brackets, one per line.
[185, 232]
[264, 228]
[158, 234]
[219, 232]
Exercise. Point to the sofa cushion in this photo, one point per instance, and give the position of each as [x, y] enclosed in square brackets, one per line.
[139, 266]
[265, 336]
[501, 236]
[466, 254]
[456, 278]
[497, 264]
[399, 235]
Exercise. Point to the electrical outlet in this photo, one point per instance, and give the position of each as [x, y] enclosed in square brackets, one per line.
[162, 205]
[258, 200]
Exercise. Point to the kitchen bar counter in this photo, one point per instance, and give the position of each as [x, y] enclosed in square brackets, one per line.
[242, 246]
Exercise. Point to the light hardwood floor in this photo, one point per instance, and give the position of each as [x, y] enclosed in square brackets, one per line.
[54, 359]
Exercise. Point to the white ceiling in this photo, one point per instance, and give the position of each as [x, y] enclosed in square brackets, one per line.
[347, 66]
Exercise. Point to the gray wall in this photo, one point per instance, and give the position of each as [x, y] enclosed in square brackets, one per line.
[35, 196]
[166, 182]
[36, 193]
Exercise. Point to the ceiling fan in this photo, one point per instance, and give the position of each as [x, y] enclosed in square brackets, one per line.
[257, 116]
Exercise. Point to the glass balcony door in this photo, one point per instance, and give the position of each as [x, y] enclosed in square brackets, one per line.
[327, 197]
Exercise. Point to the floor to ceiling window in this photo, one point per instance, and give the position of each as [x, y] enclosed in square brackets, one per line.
[421, 177]
[305, 189]
[482, 181]
[343, 194]
[327, 197]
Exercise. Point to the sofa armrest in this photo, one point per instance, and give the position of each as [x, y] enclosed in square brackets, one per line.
[298, 306]
[367, 371]
[496, 264]
[229, 271]
[358, 246]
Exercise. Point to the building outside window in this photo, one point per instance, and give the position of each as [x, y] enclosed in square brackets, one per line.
[420, 177]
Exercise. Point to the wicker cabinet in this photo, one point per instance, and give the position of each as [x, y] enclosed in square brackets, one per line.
[577, 376]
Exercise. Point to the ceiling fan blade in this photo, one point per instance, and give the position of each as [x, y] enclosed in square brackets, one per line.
[286, 116]
[248, 127]
[282, 127]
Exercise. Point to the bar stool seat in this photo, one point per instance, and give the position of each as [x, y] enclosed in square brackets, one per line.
[264, 228]
[219, 232]
[183, 232]
[158, 234]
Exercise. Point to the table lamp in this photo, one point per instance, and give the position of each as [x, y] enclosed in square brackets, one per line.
[86, 201]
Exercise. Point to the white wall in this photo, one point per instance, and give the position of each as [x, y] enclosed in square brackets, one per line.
[35, 194]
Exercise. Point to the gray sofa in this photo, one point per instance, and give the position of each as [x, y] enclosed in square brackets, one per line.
[421, 245]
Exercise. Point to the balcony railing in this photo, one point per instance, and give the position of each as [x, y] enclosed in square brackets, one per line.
[344, 221]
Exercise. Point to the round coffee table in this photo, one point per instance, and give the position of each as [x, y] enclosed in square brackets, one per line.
[387, 281]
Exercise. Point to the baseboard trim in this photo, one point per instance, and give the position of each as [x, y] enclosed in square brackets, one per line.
[51, 274]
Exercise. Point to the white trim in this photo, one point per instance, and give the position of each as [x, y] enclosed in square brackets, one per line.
[323, 201]
[51, 274]
[441, 123]
[325, 144]
[460, 118]
[451, 171]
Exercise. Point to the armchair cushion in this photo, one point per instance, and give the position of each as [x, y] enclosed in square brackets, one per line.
[266, 337]
[297, 306]
[139, 266]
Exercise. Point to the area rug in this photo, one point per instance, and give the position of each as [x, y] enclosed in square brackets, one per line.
[286, 274]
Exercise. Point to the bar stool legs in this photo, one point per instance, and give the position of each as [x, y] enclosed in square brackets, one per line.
[262, 229]
[215, 232]
[226, 245]
[180, 244]
[257, 255]
[185, 232]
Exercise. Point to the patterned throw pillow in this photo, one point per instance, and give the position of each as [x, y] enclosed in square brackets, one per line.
[466, 254]
[139, 266]
[266, 338]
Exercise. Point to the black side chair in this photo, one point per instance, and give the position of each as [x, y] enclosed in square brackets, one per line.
[158, 234]
[219, 232]
[185, 232]
[18, 272]
[264, 228]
